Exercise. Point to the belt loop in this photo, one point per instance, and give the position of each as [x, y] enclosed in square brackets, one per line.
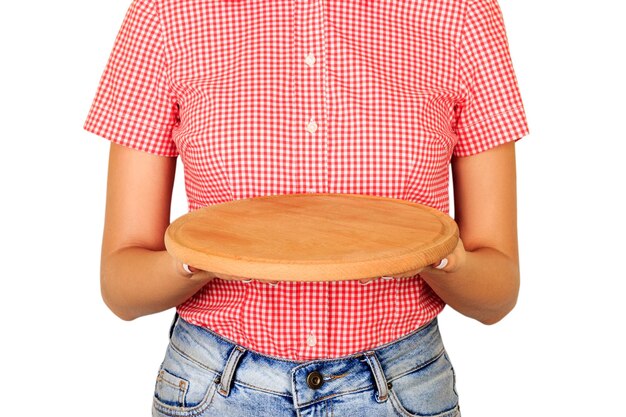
[173, 324]
[229, 370]
[379, 376]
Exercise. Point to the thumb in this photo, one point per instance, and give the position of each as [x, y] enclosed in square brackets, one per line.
[193, 272]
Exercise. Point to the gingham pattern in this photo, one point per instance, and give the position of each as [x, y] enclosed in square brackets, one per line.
[396, 89]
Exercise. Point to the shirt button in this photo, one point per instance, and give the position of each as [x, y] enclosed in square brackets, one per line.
[310, 190]
[311, 127]
[310, 59]
[311, 340]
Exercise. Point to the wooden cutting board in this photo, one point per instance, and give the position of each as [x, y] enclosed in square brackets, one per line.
[312, 237]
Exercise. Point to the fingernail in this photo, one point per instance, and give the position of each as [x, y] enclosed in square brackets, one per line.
[187, 268]
[442, 264]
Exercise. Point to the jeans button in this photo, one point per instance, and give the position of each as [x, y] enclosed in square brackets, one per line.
[314, 380]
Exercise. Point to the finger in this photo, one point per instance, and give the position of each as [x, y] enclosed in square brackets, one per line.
[442, 264]
[227, 277]
[190, 269]
[452, 262]
[267, 281]
[408, 274]
[447, 264]
[196, 274]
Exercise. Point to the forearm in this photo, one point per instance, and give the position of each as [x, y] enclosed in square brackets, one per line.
[485, 288]
[136, 282]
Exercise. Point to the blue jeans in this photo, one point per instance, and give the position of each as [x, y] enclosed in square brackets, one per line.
[204, 374]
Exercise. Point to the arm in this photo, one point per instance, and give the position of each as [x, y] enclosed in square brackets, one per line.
[137, 275]
[482, 277]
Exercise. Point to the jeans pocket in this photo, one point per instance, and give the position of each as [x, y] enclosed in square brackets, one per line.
[171, 389]
[182, 388]
[428, 390]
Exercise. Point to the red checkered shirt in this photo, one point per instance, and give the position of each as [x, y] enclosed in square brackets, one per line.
[311, 96]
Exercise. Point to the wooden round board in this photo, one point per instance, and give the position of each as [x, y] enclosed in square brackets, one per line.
[312, 237]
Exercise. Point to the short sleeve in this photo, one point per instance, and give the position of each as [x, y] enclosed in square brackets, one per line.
[491, 111]
[134, 104]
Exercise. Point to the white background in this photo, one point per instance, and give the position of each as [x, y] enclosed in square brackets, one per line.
[560, 352]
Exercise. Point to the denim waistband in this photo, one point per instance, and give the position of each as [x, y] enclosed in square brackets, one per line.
[377, 367]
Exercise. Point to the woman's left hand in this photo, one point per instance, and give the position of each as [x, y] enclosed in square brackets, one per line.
[452, 263]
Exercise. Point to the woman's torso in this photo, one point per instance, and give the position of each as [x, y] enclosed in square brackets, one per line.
[326, 96]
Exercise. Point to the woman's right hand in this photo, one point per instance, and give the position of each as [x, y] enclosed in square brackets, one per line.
[196, 275]
[202, 275]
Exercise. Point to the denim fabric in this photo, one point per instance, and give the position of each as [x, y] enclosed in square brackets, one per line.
[204, 374]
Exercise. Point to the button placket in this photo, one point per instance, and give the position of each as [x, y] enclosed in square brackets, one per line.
[309, 87]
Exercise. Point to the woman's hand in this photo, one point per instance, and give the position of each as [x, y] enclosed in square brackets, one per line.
[196, 273]
[451, 263]
[199, 275]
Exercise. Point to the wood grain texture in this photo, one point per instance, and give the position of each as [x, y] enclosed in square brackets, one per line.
[312, 237]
